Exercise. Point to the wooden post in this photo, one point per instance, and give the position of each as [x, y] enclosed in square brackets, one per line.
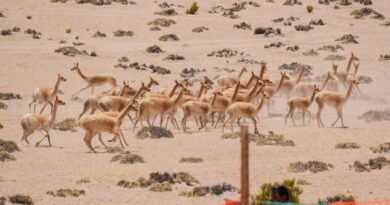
[244, 166]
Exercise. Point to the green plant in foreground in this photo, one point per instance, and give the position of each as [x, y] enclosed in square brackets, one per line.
[265, 193]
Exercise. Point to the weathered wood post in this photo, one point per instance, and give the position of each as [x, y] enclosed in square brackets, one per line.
[244, 166]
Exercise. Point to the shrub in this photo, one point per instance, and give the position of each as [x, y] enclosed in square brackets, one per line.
[193, 9]
[21, 199]
[266, 188]
[309, 8]
[68, 30]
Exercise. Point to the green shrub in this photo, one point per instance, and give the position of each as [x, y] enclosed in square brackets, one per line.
[265, 193]
[193, 9]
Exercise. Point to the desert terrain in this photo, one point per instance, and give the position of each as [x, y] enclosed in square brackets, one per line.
[28, 61]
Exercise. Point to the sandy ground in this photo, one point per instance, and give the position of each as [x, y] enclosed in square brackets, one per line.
[26, 63]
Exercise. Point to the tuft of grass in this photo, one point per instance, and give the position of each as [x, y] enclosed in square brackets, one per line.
[193, 9]
[127, 158]
[347, 145]
[68, 30]
[312, 166]
[67, 192]
[8, 146]
[309, 8]
[385, 147]
[21, 199]
[191, 160]
[160, 187]
[162, 22]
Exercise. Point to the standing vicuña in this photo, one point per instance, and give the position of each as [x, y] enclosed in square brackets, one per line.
[46, 95]
[94, 80]
[300, 103]
[32, 122]
[333, 99]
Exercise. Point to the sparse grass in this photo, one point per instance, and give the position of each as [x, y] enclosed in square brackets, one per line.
[21, 199]
[162, 22]
[68, 30]
[337, 198]
[67, 192]
[309, 8]
[265, 192]
[193, 9]
[191, 160]
[83, 181]
[312, 166]
[347, 145]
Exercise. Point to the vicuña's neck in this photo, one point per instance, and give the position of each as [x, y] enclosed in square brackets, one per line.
[299, 76]
[234, 96]
[251, 92]
[312, 96]
[280, 84]
[201, 90]
[54, 114]
[349, 92]
[177, 99]
[214, 99]
[260, 105]
[81, 74]
[349, 64]
[240, 74]
[325, 82]
[262, 71]
[124, 112]
[173, 90]
[55, 90]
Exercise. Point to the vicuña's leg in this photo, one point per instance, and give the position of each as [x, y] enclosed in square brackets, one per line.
[255, 124]
[81, 90]
[101, 141]
[288, 114]
[319, 121]
[26, 133]
[338, 116]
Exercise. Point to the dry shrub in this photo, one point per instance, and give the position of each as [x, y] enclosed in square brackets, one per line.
[83, 181]
[68, 124]
[67, 192]
[335, 58]
[260, 139]
[191, 160]
[312, 166]
[8, 146]
[375, 115]
[162, 22]
[309, 8]
[265, 193]
[193, 9]
[217, 190]
[363, 12]
[160, 187]
[127, 158]
[21, 199]
[347, 145]
[6, 32]
[68, 30]
[337, 198]
[5, 156]
[376, 163]
[167, 12]
[385, 147]
[153, 133]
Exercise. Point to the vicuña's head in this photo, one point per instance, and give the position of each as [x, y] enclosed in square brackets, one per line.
[144, 88]
[335, 67]
[59, 102]
[260, 83]
[355, 81]
[75, 67]
[284, 76]
[263, 64]
[244, 70]
[126, 85]
[207, 81]
[354, 58]
[217, 93]
[153, 81]
[316, 88]
[61, 77]
[265, 95]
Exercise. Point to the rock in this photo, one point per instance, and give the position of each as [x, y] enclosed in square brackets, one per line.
[169, 37]
[154, 49]
[200, 29]
[243, 25]
[348, 39]
[121, 33]
[312, 166]
[70, 51]
[99, 34]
